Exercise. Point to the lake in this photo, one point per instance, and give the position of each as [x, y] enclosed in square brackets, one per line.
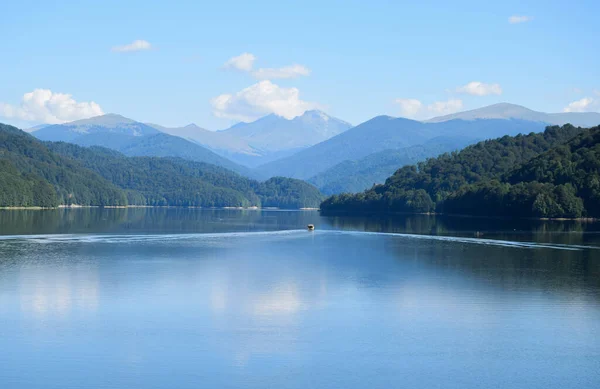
[188, 298]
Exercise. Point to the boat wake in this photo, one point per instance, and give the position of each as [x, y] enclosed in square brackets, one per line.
[270, 236]
[136, 238]
[480, 241]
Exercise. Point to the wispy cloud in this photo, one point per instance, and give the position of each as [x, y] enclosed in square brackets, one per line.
[477, 88]
[245, 62]
[576, 90]
[137, 45]
[260, 99]
[291, 71]
[445, 107]
[409, 108]
[413, 108]
[43, 105]
[583, 105]
[516, 19]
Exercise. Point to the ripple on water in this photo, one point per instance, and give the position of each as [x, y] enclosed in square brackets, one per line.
[137, 238]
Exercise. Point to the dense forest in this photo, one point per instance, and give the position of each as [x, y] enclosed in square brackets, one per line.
[551, 174]
[47, 174]
[31, 175]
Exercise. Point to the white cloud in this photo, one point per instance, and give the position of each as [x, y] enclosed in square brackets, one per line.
[291, 71]
[583, 105]
[137, 45]
[445, 107]
[413, 108]
[42, 105]
[597, 92]
[409, 107]
[260, 99]
[477, 88]
[515, 19]
[243, 62]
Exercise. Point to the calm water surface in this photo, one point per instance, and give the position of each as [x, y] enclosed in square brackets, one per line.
[174, 298]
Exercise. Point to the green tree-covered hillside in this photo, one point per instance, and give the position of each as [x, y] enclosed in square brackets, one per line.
[47, 174]
[550, 174]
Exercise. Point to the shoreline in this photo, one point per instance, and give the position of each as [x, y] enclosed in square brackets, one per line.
[370, 214]
[75, 206]
[340, 213]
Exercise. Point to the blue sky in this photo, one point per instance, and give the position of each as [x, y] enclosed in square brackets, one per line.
[353, 59]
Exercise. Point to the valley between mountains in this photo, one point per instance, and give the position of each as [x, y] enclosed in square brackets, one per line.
[273, 161]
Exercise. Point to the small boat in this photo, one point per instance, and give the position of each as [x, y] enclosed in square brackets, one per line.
[310, 227]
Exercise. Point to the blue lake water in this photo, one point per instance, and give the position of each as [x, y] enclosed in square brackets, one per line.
[174, 298]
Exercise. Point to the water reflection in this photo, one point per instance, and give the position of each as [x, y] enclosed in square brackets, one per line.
[283, 299]
[565, 232]
[147, 220]
[128, 306]
[181, 220]
[54, 292]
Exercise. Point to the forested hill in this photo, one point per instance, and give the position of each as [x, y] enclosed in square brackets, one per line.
[550, 174]
[34, 173]
[175, 181]
[576, 163]
[31, 175]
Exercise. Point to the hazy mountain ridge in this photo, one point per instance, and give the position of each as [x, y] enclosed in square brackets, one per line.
[513, 111]
[275, 146]
[352, 176]
[264, 140]
[384, 132]
[109, 123]
[133, 138]
[275, 133]
[352, 149]
[214, 140]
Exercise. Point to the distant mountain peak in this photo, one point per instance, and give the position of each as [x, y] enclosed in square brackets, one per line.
[505, 108]
[518, 112]
[383, 117]
[505, 105]
[273, 134]
[35, 128]
[194, 126]
[108, 120]
[115, 116]
[316, 113]
[494, 111]
[104, 124]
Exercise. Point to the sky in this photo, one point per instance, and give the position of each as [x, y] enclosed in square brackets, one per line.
[218, 63]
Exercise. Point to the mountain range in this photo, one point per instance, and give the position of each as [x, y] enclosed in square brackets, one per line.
[513, 111]
[266, 139]
[385, 132]
[314, 146]
[133, 138]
